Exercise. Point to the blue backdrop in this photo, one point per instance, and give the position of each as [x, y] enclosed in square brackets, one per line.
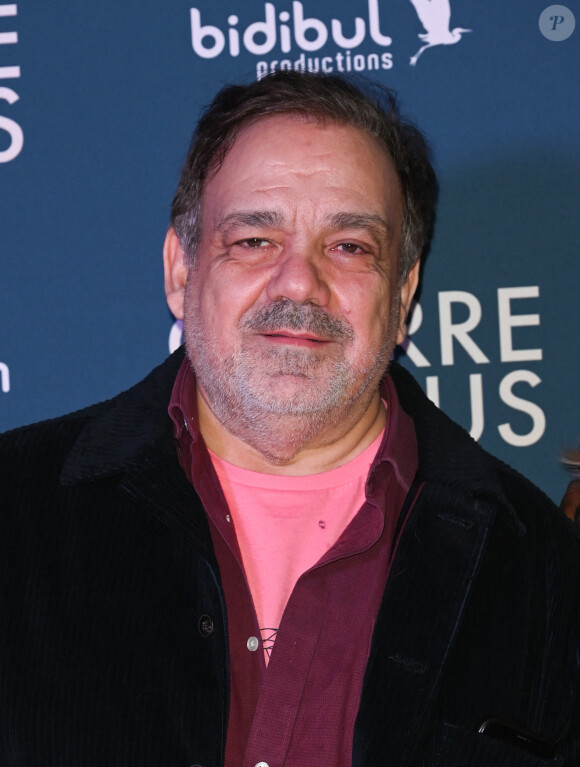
[97, 103]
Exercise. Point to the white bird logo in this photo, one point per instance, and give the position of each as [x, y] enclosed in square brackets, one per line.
[434, 15]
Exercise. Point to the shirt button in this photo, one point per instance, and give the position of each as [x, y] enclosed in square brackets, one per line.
[206, 625]
[252, 644]
[262, 764]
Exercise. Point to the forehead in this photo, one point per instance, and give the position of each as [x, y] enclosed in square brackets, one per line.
[311, 166]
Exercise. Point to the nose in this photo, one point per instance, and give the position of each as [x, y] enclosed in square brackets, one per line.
[298, 276]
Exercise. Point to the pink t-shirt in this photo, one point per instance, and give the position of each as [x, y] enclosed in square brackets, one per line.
[284, 526]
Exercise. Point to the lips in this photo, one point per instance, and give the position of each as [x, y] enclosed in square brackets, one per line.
[290, 337]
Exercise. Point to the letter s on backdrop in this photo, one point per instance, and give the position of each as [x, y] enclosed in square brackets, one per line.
[517, 403]
[12, 128]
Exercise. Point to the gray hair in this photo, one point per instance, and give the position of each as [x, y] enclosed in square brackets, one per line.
[320, 98]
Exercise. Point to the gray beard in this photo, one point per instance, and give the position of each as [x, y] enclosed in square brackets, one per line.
[242, 388]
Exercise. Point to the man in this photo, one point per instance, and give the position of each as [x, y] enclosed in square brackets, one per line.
[570, 503]
[271, 553]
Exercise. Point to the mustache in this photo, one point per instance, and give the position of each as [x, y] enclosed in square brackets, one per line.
[285, 314]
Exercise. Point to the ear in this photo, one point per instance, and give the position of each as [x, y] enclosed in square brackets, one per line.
[175, 269]
[406, 296]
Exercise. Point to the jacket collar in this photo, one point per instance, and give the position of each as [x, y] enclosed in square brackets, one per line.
[120, 431]
[448, 456]
[131, 438]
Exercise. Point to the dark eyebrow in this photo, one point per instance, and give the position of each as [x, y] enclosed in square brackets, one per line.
[257, 218]
[372, 221]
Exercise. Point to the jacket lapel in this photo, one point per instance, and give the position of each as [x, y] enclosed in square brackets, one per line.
[428, 586]
[131, 437]
[434, 567]
[161, 488]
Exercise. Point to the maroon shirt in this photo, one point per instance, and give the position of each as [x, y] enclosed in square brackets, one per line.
[300, 710]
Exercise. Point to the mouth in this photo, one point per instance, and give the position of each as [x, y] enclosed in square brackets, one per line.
[295, 338]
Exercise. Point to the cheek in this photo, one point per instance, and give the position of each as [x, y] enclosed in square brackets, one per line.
[215, 304]
[368, 309]
[230, 292]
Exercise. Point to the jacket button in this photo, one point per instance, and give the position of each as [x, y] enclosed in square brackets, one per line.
[206, 625]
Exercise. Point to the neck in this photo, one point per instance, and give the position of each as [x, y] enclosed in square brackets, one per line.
[292, 445]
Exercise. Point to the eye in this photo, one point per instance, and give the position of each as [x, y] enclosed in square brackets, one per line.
[253, 242]
[350, 248]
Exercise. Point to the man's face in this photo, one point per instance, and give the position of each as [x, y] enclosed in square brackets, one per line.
[292, 307]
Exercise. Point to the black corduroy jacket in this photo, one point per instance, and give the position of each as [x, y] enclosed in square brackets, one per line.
[113, 628]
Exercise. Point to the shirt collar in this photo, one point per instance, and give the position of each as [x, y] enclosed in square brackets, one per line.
[399, 443]
[398, 446]
[183, 403]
